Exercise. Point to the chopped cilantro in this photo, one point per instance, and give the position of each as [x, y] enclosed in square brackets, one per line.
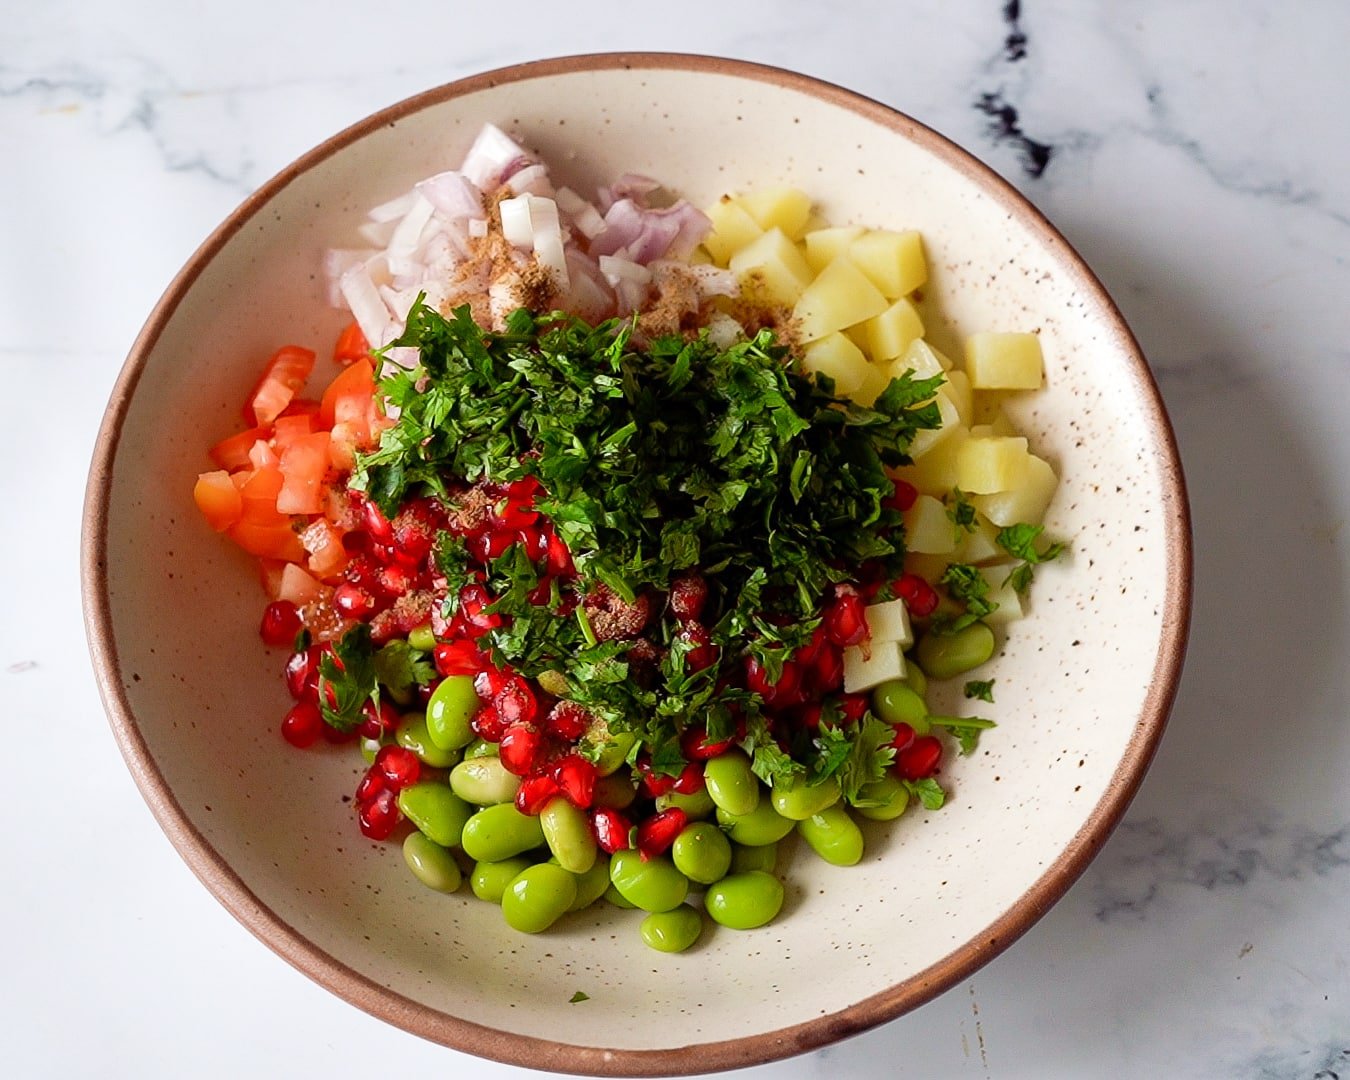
[929, 792]
[1020, 541]
[967, 585]
[961, 512]
[966, 729]
[578, 997]
[401, 667]
[347, 679]
[980, 688]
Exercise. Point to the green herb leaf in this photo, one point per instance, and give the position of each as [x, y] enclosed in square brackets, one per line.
[1020, 541]
[347, 679]
[400, 667]
[929, 792]
[966, 729]
[980, 688]
[578, 997]
[967, 585]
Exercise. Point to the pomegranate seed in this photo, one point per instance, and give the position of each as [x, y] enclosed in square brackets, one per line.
[336, 737]
[920, 598]
[688, 594]
[568, 720]
[654, 784]
[846, 620]
[516, 703]
[486, 724]
[488, 682]
[280, 623]
[472, 600]
[534, 541]
[490, 545]
[810, 717]
[302, 674]
[380, 816]
[514, 514]
[782, 692]
[904, 736]
[378, 722]
[809, 653]
[612, 830]
[658, 832]
[920, 759]
[458, 658]
[395, 580]
[372, 783]
[400, 766]
[903, 497]
[363, 571]
[575, 777]
[853, 706]
[353, 601]
[559, 558]
[704, 653]
[828, 673]
[690, 779]
[695, 746]
[520, 747]
[535, 792]
[413, 531]
[541, 594]
[302, 725]
[381, 531]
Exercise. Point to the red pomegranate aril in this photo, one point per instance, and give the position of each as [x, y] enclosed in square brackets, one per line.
[302, 674]
[920, 598]
[903, 497]
[458, 658]
[809, 653]
[376, 523]
[302, 725]
[400, 766]
[379, 817]
[904, 736]
[654, 784]
[535, 792]
[853, 706]
[378, 721]
[559, 558]
[514, 514]
[487, 725]
[920, 759]
[658, 832]
[784, 691]
[612, 830]
[690, 779]
[695, 746]
[535, 543]
[810, 716]
[353, 601]
[372, 783]
[520, 748]
[688, 595]
[336, 736]
[541, 594]
[516, 703]
[395, 580]
[575, 777]
[363, 571]
[846, 620]
[704, 653]
[828, 673]
[488, 681]
[472, 600]
[568, 720]
[489, 545]
[280, 623]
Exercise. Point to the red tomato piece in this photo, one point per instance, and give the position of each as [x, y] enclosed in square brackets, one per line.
[232, 453]
[284, 377]
[262, 456]
[300, 588]
[304, 464]
[348, 397]
[351, 345]
[218, 499]
[269, 541]
[259, 494]
[289, 429]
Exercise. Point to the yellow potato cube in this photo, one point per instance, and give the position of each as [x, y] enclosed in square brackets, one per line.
[779, 208]
[935, 472]
[893, 260]
[922, 359]
[958, 389]
[928, 529]
[1027, 502]
[981, 544]
[1005, 362]
[893, 331]
[772, 267]
[732, 229]
[924, 441]
[1004, 595]
[823, 246]
[873, 384]
[840, 296]
[834, 355]
[929, 567]
[989, 464]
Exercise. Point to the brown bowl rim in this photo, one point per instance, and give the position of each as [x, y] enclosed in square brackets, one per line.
[529, 1051]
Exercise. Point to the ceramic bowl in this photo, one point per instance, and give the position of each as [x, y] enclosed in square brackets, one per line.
[1083, 685]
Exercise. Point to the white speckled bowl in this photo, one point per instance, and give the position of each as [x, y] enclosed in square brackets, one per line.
[1084, 685]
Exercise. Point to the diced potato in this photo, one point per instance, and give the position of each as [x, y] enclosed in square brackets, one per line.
[985, 465]
[893, 331]
[980, 544]
[1004, 595]
[837, 357]
[771, 266]
[779, 208]
[733, 228]
[892, 260]
[924, 441]
[1027, 502]
[889, 621]
[1001, 425]
[875, 381]
[921, 358]
[1005, 361]
[982, 431]
[840, 296]
[928, 529]
[823, 246]
[814, 222]
[935, 472]
[958, 389]
[883, 661]
[988, 406]
[929, 567]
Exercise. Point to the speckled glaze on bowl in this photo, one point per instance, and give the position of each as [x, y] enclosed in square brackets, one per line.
[1084, 685]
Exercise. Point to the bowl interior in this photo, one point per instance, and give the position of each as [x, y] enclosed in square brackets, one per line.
[197, 699]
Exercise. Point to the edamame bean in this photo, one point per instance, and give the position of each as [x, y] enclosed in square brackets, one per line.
[614, 753]
[889, 796]
[616, 898]
[745, 901]
[763, 825]
[490, 879]
[484, 781]
[431, 864]
[436, 810]
[449, 711]
[702, 853]
[696, 806]
[481, 748]
[916, 680]
[672, 931]
[500, 831]
[944, 656]
[538, 897]
[653, 885]
[732, 784]
[413, 734]
[568, 833]
[744, 859]
[798, 800]
[897, 703]
[591, 885]
[834, 836]
[422, 638]
[616, 791]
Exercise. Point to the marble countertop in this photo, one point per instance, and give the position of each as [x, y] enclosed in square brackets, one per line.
[1194, 153]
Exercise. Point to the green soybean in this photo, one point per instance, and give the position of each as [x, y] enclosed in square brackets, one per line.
[490, 879]
[702, 853]
[889, 797]
[614, 753]
[615, 790]
[834, 836]
[763, 825]
[449, 711]
[538, 897]
[616, 898]
[798, 800]
[431, 864]
[896, 702]
[672, 931]
[591, 885]
[413, 734]
[944, 656]
[745, 859]
[916, 680]
[745, 901]
[696, 806]
[732, 784]
[484, 781]
[568, 833]
[422, 638]
[481, 748]
[652, 885]
[498, 832]
[436, 810]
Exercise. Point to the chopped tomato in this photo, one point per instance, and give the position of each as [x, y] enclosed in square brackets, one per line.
[327, 556]
[259, 493]
[299, 587]
[342, 449]
[218, 499]
[301, 406]
[262, 456]
[349, 398]
[232, 453]
[270, 541]
[288, 429]
[304, 464]
[285, 376]
[269, 573]
[351, 345]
